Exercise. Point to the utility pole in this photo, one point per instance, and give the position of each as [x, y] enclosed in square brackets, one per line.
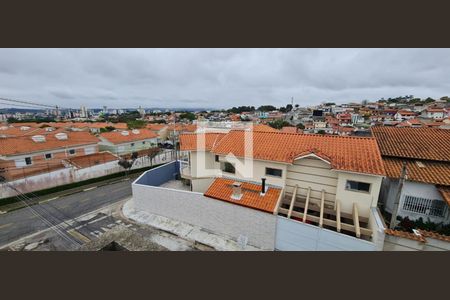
[397, 197]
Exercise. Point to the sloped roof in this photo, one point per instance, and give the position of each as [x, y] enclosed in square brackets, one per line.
[433, 172]
[84, 161]
[416, 143]
[188, 141]
[116, 137]
[354, 154]
[222, 189]
[25, 144]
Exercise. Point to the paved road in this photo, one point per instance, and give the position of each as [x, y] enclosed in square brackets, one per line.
[23, 222]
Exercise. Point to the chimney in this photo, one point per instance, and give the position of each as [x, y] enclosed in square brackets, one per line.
[237, 191]
[263, 186]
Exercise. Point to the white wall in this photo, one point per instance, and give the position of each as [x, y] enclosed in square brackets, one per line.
[220, 217]
[297, 236]
[71, 175]
[363, 200]
[416, 189]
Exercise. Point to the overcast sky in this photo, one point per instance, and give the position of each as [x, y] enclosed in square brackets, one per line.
[219, 78]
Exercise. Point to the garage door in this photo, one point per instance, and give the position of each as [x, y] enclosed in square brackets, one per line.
[314, 173]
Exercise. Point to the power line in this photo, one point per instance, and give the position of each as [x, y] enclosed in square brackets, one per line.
[29, 102]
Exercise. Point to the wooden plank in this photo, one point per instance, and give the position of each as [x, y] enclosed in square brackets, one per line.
[322, 202]
[306, 204]
[277, 206]
[291, 207]
[328, 222]
[312, 200]
[356, 220]
[338, 216]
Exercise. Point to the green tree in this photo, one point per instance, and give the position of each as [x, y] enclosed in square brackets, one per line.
[136, 124]
[278, 124]
[267, 108]
[188, 116]
[300, 126]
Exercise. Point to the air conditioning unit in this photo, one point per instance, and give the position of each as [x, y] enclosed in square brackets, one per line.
[124, 133]
[135, 131]
[48, 129]
[38, 138]
[61, 136]
[24, 128]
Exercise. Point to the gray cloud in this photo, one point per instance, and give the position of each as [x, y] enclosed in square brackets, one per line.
[219, 77]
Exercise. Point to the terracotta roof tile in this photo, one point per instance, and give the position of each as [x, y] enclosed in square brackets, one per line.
[418, 143]
[434, 235]
[116, 137]
[188, 141]
[222, 189]
[84, 161]
[289, 129]
[406, 235]
[433, 172]
[264, 128]
[24, 144]
[356, 154]
[445, 192]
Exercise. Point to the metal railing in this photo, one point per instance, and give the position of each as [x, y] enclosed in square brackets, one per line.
[429, 207]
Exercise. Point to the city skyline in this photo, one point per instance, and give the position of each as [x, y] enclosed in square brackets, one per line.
[219, 78]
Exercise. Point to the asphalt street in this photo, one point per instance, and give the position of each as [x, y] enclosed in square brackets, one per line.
[23, 222]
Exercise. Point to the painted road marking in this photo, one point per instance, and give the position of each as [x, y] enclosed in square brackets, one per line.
[5, 225]
[48, 200]
[78, 235]
[88, 189]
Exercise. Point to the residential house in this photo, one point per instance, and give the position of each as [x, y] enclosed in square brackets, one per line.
[404, 115]
[434, 113]
[24, 156]
[425, 154]
[127, 141]
[162, 130]
[329, 171]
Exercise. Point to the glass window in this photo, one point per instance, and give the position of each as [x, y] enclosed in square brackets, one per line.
[72, 151]
[28, 161]
[217, 158]
[132, 144]
[357, 186]
[48, 156]
[274, 172]
[228, 167]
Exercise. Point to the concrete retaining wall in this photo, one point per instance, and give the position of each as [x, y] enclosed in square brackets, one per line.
[213, 215]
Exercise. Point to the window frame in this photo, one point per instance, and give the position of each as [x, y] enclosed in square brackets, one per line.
[47, 158]
[30, 159]
[216, 158]
[271, 175]
[223, 168]
[74, 151]
[358, 191]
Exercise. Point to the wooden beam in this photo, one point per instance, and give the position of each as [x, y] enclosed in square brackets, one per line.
[316, 207]
[277, 206]
[291, 206]
[356, 220]
[322, 200]
[306, 204]
[328, 222]
[338, 215]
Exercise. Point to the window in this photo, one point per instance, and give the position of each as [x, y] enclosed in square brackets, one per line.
[28, 161]
[48, 155]
[217, 158]
[357, 186]
[227, 167]
[143, 143]
[429, 207]
[132, 144]
[274, 172]
[72, 152]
